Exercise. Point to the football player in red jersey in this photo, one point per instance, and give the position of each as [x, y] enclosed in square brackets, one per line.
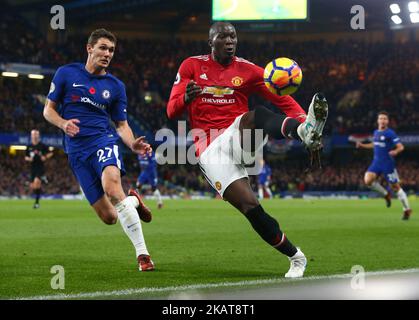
[214, 89]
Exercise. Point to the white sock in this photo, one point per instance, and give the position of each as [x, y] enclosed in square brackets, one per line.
[260, 191]
[403, 198]
[134, 201]
[376, 186]
[158, 196]
[130, 222]
[268, 190]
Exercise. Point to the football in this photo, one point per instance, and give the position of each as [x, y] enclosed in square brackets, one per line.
[282, 76]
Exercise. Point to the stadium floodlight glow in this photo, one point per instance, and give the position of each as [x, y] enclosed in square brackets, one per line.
[16, 147]
[413, 6]
[414, 17]
[396, 19]
[9, 74]
[36, 76]
[395, 8]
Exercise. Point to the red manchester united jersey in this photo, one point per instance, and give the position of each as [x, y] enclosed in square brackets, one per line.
[225, 93]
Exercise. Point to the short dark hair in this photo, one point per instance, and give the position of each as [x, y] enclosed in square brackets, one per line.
[101, 33]
[383, 113]
[214, 27]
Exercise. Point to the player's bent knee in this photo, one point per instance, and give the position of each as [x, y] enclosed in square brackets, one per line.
[36, 183]
[396, 187]
[368, 180]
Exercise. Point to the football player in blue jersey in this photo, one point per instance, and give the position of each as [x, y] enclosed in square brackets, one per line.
[88, 97]
[148, 175]
[264, 179]
[386, 145]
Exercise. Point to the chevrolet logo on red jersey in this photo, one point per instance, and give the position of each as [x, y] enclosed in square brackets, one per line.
[218, 91]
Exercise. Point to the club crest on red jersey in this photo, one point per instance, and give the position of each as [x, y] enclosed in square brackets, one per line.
[237, 81]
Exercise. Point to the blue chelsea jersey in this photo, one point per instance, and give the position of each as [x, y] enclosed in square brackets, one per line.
[147, 163]
[266, 171]
[92, 99]
[384, 141]
[265, 174]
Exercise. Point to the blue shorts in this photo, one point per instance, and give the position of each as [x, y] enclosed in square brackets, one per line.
[148, 178]
[387, 169]
[88, 167]
[263, 181]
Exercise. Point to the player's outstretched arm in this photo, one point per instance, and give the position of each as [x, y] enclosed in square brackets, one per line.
[364, 145]
[138, 145]
[47, 156]
[51, 115]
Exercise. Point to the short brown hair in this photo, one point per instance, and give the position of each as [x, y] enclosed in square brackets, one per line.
[101, 33]
[385, 113]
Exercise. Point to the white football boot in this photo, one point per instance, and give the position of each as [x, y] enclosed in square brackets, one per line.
[298, 265]
[311, 130]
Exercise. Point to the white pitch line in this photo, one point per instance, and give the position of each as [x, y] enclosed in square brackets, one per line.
[128, 292]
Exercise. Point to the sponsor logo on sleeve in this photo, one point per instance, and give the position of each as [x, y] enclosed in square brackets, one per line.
[51, 88]
[177, 80]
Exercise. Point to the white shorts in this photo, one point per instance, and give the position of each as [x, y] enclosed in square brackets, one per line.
[224, 161]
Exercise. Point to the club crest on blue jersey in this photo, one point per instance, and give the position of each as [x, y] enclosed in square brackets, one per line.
[106, 94]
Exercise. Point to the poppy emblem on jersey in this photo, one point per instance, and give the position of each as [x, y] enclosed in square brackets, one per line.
[92, 90]
[237, 81]
[218, 185]
[204, 68]
[106, 94]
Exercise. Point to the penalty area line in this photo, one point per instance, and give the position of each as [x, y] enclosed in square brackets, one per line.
[172, 289]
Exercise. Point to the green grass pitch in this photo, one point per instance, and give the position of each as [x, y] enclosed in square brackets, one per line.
[202, 241]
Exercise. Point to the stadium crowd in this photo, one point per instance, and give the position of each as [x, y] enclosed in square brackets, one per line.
[338, 178]
[187, 179]
[358, 78]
